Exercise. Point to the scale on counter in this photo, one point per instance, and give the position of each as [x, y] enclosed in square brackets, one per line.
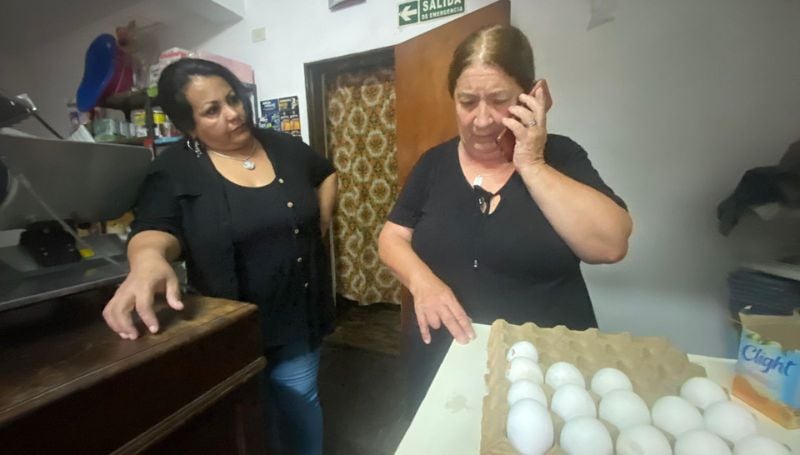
[51, 186]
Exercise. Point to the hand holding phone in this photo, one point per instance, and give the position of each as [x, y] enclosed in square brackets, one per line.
[506, 140]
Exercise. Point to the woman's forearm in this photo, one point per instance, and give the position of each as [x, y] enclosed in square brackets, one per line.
[435, 304]
[147, 244]
[326, 192]
[394, 249]
[593, 225]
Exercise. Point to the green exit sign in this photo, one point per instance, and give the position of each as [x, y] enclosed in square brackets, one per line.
[411, 12]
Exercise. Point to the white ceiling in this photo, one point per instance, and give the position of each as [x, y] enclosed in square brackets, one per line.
[26, 24]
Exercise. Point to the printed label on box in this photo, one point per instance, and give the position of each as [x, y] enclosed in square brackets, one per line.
[768, 366]
[776, 371]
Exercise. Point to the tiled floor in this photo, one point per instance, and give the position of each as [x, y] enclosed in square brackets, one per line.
[361, 387]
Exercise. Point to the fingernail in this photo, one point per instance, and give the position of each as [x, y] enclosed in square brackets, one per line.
[153, 328]
[180, 305]
[124, 336]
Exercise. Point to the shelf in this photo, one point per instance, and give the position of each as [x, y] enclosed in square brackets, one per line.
[125, 102]
[786, 270]
[168, 140]
[126, 141]
[141, 140]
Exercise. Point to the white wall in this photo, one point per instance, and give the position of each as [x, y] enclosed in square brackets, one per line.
[674, 100]
[13, 82]
[13, 72]
[304, 31]
[298, 32]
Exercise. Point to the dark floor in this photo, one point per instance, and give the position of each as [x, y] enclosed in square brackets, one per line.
[360, 382]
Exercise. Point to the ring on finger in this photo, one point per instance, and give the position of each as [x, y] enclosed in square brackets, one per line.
[531, 123]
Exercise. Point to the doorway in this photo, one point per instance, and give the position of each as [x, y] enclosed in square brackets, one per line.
[351, 115]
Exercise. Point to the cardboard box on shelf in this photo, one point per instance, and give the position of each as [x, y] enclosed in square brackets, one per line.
[768, 367]
[172, 54]
[241, 70]
[164, 59]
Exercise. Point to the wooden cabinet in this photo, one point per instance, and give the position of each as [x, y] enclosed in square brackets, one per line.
[70, 385]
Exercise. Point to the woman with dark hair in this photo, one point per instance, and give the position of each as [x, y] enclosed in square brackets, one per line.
[481, 232]
[246, 209]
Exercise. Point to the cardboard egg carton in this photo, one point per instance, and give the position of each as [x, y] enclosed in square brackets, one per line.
[654, 366]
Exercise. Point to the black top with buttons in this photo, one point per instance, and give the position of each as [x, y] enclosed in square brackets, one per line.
[260, 245]
[511, 263]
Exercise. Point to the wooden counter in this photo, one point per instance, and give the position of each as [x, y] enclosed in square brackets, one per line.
[68, 384]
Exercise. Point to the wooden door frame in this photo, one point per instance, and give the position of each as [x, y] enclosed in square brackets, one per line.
[316, 74]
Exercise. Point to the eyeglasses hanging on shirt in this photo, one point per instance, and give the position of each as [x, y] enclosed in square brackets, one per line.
[484, 199]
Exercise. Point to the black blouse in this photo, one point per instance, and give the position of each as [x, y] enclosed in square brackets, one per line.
[261, 245]
[510, 264]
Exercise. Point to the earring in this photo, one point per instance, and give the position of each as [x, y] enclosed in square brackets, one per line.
[194, 145]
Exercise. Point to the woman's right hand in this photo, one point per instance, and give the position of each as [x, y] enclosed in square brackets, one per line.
[150, 274]
[435, 304]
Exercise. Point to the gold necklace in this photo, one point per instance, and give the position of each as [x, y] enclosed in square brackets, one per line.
[247, 163]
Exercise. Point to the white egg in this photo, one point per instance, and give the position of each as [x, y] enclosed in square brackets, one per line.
[525, 388]
[586, 436]
[561, 373]
[643, 440]
[571, 401]
[676, 416]
[523, 349]
[524, 368]
[624, 409]
[608, 379]
[702, 392]
[529, 427]
[700, 442]
[759, 445]
[730, 421]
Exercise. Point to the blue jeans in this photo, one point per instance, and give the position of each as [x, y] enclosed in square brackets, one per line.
[293, 411]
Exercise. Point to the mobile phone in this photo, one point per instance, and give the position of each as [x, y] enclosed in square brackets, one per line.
[506, 140]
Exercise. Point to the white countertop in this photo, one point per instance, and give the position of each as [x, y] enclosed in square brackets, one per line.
[449, 419]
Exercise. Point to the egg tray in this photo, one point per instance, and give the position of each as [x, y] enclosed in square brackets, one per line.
[654, 366]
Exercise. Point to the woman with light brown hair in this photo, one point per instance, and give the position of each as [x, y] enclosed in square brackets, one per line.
[487, 228]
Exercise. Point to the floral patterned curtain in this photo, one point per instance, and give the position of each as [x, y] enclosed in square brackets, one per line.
[361, 140]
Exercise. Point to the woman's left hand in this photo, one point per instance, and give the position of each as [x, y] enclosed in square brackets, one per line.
[529, 125]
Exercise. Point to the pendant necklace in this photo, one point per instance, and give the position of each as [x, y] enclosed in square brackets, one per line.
[247, 163]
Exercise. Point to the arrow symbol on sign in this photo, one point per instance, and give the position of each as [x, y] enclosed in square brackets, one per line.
[407, 13]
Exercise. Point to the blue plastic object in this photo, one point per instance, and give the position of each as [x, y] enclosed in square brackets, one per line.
[98, 71]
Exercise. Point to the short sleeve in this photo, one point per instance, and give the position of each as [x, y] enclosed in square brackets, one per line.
[408, 208]
[571, 159]
[317, 166]
[157, 208]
